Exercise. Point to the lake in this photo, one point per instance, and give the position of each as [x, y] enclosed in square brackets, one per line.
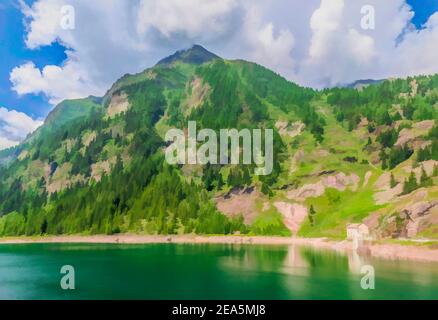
[205, 271]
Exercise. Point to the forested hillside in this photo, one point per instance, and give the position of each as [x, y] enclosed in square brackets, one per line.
[342, 155]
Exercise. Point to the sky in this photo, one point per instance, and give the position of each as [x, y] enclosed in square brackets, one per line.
[51, 50]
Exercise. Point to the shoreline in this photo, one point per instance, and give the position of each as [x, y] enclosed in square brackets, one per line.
[389, 251]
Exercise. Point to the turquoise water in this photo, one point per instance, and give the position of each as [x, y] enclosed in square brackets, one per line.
[170, 271]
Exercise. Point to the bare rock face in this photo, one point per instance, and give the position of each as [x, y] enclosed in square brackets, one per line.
[368, 175]
[118, 104]
[420, 216]
[100, 168]
[372, 222]
[292, 130]
[307, 191]
[389, 194]
[339, 181]
[199, 91]
[411, 136]
[240, 202]
[428, 166]
[407, 221]
[296, 160]
[293, 214]
[418, 210]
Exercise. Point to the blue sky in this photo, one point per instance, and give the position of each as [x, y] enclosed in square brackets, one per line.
[423, 10]
[277, 35]
[13, 52]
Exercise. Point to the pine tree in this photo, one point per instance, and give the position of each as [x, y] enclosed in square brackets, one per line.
[312, 214]
[370, 142]
[208, 178]
[230, 180]
[393, 182]
[246, 178]
[234, 178]
[435, 171]
[422, 154]
[220, 181]
[410, 184]
[384, 164]
[266, 190]
[384, 157]
[425, 180]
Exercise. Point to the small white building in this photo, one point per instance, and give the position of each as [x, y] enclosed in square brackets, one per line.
[357, 231]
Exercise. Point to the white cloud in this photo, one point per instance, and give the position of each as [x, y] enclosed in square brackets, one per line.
[266, 45]
[361, 46]
[102, 47]
[6, 143]
[44, 22]
[316, 42]
[112, 38]
[15, 126]
[342, 52]
[418, 52]
[193, 18]
[325, 23]
[57, 82]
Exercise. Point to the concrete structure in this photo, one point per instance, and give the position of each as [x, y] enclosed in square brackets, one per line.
[358, 230]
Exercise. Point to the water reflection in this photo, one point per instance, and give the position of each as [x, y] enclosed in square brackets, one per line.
[263, 258]
[295, 263]
[170, 271]
[306, 272]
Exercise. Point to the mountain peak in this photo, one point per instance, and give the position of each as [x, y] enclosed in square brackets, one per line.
[195, 55]
[359, 84]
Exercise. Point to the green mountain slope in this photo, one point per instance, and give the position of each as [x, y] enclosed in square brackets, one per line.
[340, 156]
[69, 110]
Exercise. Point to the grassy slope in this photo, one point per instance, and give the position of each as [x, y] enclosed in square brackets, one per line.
[334, 209]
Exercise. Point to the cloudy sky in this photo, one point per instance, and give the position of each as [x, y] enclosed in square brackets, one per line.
[45, 58]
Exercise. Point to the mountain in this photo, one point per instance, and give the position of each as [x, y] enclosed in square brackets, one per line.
[69, 110]
[341, 156]
[359, 84]
[194, 55]
[8, 155]
[66, 112]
